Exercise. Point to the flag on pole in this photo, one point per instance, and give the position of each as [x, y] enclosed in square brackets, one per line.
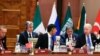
[96, 27]
[67, 20]
[81, 21]
[54, 19]
[38, 24]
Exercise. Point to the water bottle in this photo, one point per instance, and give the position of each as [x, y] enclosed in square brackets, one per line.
[96, 47]
[17, 48]
[99, 47]
[90, 50]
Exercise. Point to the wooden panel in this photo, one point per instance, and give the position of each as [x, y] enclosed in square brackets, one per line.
[13, 14]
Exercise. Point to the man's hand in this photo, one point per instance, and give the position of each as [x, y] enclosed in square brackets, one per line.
[84, 47]
[29, 45]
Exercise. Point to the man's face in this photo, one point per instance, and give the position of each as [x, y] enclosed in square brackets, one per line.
[30, 28]
[87, 30]
[69, 31]
[54, 30]
[3, 33]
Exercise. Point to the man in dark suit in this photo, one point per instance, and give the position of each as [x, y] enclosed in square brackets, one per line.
[3, 31]
[68, 35]
[45, 41]
[87, 39]
[97, 34]
[28, 33]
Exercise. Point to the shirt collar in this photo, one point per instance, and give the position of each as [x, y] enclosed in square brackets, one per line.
[49, 35]
[29, 33]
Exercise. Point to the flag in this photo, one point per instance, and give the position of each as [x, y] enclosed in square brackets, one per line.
[54, 19]
[96, 26]
[38, 24]
[81, 21]
[67, 20]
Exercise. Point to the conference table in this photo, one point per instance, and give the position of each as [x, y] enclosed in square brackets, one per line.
[49, 54]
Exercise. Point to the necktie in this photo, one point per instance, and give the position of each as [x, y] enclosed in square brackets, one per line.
[51, 44]
[88, 41]
[29, 35]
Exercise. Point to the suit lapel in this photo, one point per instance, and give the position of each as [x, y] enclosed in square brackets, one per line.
[26, 34]
[47, 40]
[84, 39]
[33, 35]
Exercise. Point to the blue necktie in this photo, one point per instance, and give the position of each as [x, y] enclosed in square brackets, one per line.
[88, 41]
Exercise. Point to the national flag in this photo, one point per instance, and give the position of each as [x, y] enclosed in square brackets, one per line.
[96, 27]
[38, 24]
[67, 20]
[54, 19]
[81, 21]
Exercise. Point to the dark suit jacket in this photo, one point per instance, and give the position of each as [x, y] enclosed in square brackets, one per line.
[98, 41]
[23, 38]
[82, 40]
[65, 36]
[4, 43]
[43, 41]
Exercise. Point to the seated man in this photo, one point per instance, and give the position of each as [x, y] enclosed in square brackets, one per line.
[3, 31]
[97, 34]
[28, 33]
[45, 41]
[68, 35]
[68, 38]
[87, 39]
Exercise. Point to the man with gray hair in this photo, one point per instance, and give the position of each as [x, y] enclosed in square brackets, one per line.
[87, 39]
[28, 33]
[3, 31]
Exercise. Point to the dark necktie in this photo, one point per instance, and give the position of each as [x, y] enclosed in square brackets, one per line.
[30, 35]
[51, 45]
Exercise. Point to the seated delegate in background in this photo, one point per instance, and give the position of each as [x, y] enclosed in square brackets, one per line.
[45, 41]
[97, 36]
[3, 31]
[68, 35]
[28, 33]
[87, 39]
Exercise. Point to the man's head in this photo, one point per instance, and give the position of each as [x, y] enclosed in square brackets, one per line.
[69, 30]
[29, 26]
[3, 31]
[52, 29]
[87, 28]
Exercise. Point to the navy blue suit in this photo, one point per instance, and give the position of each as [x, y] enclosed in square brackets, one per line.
[65, 36]
[23, 38]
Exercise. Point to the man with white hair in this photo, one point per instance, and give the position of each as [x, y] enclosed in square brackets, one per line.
[28, 33]
[87, 39]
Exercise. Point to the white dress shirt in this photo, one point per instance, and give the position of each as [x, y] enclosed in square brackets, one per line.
[49, 41]
[90, 40]
[69, 40]
[29, 34]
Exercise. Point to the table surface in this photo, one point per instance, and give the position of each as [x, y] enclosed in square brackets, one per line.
[49, 55]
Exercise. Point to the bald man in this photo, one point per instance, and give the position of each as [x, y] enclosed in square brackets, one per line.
[87, 39]
[3, 31]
